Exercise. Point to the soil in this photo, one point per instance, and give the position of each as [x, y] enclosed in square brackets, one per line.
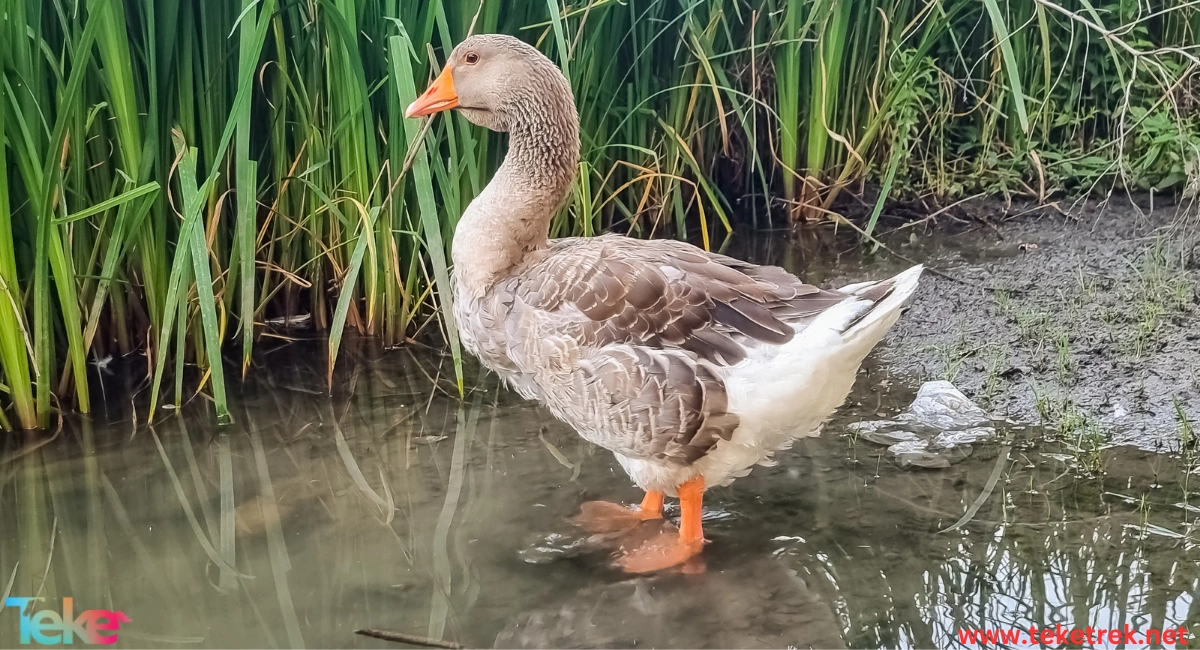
[1086, 320]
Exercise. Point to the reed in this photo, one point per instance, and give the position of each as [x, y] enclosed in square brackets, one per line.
[181, 176]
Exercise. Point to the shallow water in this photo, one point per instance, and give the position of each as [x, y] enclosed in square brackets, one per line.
[393, 505]
[355, 512]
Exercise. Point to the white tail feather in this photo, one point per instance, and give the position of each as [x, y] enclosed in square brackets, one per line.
[875, 323]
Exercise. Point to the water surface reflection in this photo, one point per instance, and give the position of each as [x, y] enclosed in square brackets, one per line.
[389, 505]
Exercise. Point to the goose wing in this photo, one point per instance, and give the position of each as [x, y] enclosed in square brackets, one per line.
[625, 338]
[667, 294]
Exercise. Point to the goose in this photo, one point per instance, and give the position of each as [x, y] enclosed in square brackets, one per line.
[691, 367]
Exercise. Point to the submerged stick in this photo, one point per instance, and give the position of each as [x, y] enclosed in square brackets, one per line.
[410, 639]
[997, 470]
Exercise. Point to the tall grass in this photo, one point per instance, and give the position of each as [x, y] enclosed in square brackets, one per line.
[184, 176]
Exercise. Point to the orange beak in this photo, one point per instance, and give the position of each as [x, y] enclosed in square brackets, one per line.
[439, 97]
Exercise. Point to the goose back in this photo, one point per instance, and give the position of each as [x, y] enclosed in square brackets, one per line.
[626, 340]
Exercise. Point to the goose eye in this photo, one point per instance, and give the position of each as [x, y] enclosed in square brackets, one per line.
[471, 58]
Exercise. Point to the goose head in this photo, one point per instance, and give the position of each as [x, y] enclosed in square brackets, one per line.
[498, 82]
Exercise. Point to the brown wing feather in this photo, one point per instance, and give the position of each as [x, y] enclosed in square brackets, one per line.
[640, 329]
[708, 303]
[650, 404]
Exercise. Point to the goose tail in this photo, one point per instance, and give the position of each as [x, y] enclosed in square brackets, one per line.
[889, 297]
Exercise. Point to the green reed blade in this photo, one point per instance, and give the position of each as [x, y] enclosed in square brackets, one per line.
[1047, 79]
[181, 330]
[183, 253]
[889, 177]
[349, 279]
[42, 327]
[788, 93]
[108, 204]
[128, 220]
[65, 286]
[14, 334]
[559, 39]
[244, 241]
[1010, 62]
[247, 175]
[826, 83]
[193, 200]
[398, 48]
[245, 88]
[113, 45]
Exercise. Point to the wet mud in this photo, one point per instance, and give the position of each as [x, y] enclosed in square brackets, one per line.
[1086, 318]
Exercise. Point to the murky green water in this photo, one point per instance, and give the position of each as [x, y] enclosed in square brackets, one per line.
[393, 505]
[387, 507]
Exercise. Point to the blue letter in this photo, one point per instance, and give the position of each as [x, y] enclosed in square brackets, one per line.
[21, 604]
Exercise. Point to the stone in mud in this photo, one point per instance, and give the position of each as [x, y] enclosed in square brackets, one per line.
[936, 431]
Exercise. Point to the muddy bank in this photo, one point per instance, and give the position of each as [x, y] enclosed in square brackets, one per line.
[1087, 322]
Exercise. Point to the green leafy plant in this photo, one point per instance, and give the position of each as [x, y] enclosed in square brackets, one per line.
[184, 177]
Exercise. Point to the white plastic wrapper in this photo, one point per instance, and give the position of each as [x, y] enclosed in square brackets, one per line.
[937, 430]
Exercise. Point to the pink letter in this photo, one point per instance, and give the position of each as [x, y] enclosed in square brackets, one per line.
[112, 621]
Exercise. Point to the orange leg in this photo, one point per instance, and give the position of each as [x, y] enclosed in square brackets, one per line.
[652, 505]
[669, 550]
[691, 500]
[603, 516]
